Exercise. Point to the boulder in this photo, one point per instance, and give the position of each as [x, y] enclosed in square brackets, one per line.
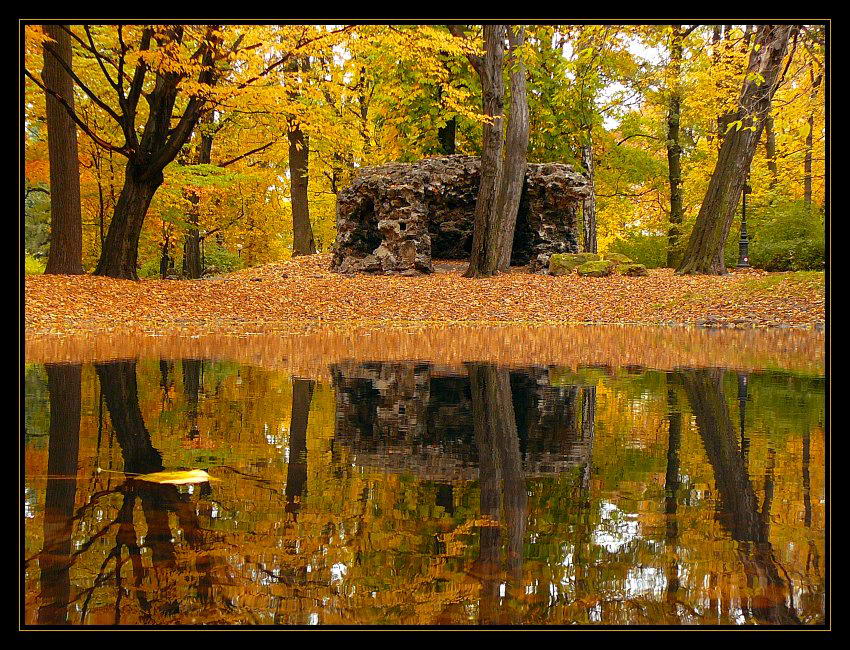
[566, 263]
[632, 269]
[596, 269]
[399, 216]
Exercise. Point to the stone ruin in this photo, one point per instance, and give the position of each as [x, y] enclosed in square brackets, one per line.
[398, 217]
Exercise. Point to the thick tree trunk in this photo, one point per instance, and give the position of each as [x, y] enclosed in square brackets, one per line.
[296, 468]
[66, 227]
[299, 170]
[516, 152]
[704, 251]
[588, 212]
[63, 385]
[484, 258]
[121, 247]
[674, 147]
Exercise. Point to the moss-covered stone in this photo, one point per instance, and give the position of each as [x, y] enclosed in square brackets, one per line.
[618, 258]
[564, 263]
[632, 269]
[596, 269]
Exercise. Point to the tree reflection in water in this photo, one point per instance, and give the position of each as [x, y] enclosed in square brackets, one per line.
[432, 495]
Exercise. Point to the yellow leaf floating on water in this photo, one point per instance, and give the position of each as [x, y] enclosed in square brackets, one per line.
[177, 477]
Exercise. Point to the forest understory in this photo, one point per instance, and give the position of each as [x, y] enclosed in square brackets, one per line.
[302, 295]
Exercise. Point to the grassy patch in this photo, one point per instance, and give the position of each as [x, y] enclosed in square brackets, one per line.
[33, 266]
[797, 281]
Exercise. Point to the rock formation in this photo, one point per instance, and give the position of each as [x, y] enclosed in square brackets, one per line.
[396, 218]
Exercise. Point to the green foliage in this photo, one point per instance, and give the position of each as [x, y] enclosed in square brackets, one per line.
[783, 237]
[218, 259]
[36, 224]
[33, 265]
[649, 250]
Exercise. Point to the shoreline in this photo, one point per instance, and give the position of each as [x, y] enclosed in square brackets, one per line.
[302, 295]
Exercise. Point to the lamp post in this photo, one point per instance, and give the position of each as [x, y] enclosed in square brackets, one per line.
[744, 243]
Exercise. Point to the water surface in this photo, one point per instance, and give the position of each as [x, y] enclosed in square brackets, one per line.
[429, 486]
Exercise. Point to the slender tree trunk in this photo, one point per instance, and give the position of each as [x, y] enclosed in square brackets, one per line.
[193, 267]
[299, 161]
[807, 160]
[63, 385]
[704, 251]
[66, 226]
[516, 151]
[119, 258]
[674, 147]
[484, 259]
[446, 135]
[770, 150]
[303, 242]
[588, 212]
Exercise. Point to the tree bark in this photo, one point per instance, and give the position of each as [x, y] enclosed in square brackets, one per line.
[704, 251]
[807, 160]
[299, 161]
[770, 151]
[159, 144]
[588, 211]
[119, 258]
[66, 227]
[446, 136]
[64, 388]
[484, 258]
[193, 267]
[516, 151]
[674, 147]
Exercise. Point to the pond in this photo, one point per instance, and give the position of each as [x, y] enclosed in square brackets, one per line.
[449, 476]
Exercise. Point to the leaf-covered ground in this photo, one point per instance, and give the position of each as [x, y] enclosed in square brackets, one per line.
[303, 294]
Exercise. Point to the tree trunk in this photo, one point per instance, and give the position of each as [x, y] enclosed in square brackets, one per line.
[193, 267]
[674, 147]
[66, 226]
[64, 388]
[807, 160]
[770, 150]
[588, 213]
[299, 161]
[484, 258]
[516, 152]
[446, 135]
[704, 251]
[119, 258]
